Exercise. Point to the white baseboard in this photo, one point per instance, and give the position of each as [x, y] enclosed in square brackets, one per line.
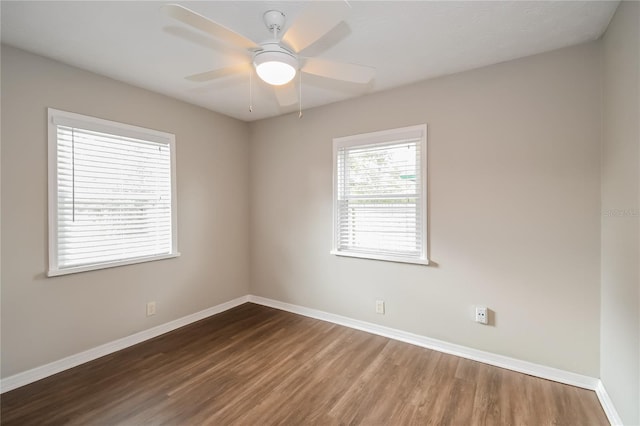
[526, 367]
[52, 368]
[514, 364]
[607, 405]
[502, 361]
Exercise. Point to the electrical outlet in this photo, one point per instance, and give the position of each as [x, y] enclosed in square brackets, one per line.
[482, 315]
[380, 307]
[151, 308]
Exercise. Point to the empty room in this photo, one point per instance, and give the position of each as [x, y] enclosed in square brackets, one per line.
[320, 212]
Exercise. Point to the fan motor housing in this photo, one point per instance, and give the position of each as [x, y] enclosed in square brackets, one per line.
[274, 52]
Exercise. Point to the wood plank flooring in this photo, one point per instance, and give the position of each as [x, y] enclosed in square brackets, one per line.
[254, 365]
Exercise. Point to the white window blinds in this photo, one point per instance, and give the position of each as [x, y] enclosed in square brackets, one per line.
[112, 198]
[380, 199]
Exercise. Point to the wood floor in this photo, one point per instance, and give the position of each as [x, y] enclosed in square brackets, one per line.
[254, 365]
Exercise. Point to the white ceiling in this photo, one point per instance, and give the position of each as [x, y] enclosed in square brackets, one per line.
[134, 42]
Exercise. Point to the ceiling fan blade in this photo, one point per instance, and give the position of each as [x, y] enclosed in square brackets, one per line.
[220, 72]
[210, 27]
[286, 94]
[317, 19]
[339, 70]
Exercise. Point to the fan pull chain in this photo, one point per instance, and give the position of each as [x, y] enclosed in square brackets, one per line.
[250, 90]
[300, 96]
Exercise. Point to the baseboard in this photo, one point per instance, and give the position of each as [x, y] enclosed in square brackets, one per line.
[607, 405]
[509, 363]
[52, 368]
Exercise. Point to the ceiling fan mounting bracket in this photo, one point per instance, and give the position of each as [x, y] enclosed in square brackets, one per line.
[274, 20]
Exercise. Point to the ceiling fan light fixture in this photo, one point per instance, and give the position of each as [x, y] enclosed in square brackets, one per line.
[275, 67]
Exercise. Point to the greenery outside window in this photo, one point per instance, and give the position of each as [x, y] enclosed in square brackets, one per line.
[380, 195]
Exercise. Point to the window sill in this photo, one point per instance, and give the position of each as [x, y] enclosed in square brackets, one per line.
[423, 262]
[76, 269]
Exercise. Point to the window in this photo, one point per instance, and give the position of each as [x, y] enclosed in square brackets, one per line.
[380, 195]
[112, 198]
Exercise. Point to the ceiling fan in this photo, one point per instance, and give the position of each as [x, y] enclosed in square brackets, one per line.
[278, 60]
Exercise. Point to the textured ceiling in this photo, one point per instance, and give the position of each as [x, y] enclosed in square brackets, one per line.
[133, 41]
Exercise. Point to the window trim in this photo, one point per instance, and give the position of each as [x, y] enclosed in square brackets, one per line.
[58, 117]
[382, 137]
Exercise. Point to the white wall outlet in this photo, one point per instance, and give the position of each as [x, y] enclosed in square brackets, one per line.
[151, 308]
[482, 315]
[380, 307]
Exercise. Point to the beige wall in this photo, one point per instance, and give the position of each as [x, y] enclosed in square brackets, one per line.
[46, 319]
[620, 306]
[514, 204]
[514, 181]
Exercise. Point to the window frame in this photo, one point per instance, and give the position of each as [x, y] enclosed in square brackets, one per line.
[383, 137]
[57, 117]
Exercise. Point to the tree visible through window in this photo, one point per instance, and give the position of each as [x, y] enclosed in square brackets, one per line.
[379, 195]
